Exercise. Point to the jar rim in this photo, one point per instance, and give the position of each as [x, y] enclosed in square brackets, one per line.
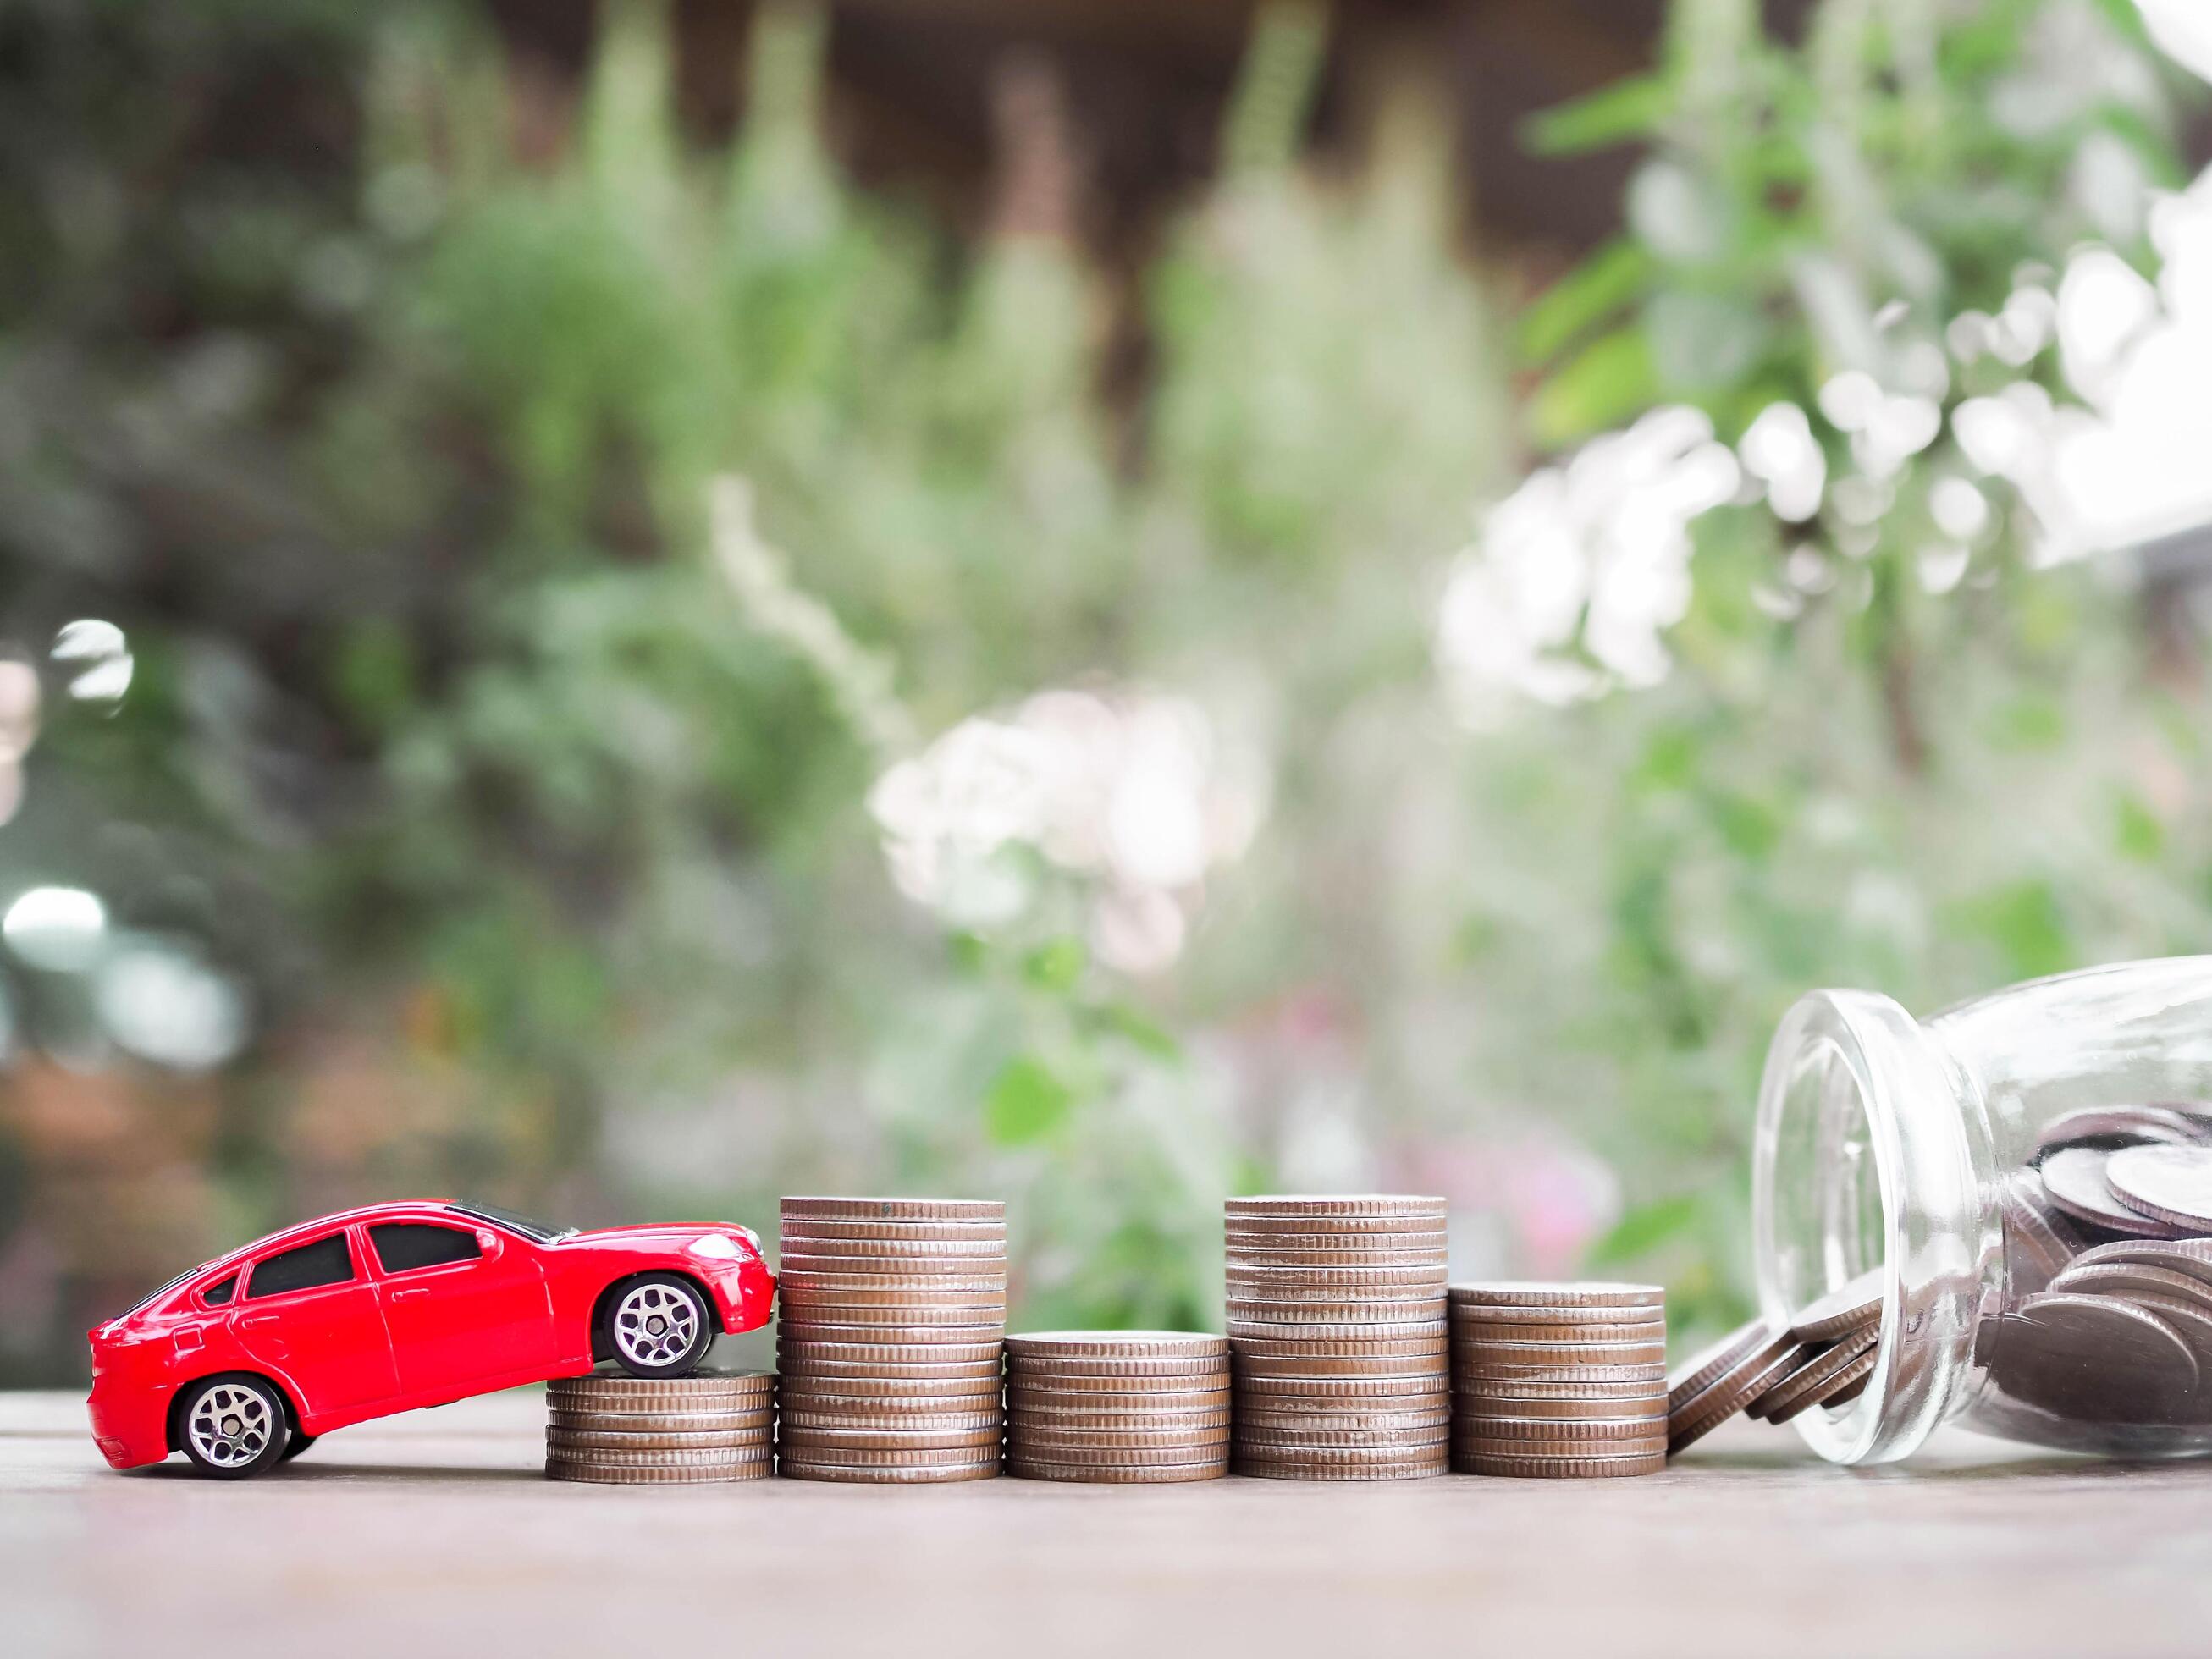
[1920, 1111]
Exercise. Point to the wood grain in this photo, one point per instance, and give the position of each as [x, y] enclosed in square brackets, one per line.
[434, 1534]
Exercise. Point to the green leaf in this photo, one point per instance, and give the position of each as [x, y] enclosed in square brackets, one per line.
[1057, 965]
[1627, 110]
[1118, 1019]
[1607, 384]
[2137, 829]
[1586, 297]
[1026, 1102]
[1644, 1229]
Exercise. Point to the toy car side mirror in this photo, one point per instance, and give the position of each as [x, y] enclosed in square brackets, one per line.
[490, 1243]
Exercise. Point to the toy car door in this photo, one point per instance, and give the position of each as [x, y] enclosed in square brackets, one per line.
[465, 1305]
[311, 1315]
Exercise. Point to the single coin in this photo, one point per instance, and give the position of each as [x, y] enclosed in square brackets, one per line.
[1479, 1355]
[1849, 1391]
[1033, 1432]
[1274, 1205]
[1249, 1454]
[1642, 1332]
[899, 1253]
[1559, 1468]
[1023, 1363]
[2191, 1318]
[1577, 1389]
[1294, 1423]
[1117, 1345]
[1333, 1388]
[2132, 1280]
[1269, 1278]
[1265, 1438]
[1850, 1380]
[1335, 1365]
[800, 1469]
[2110, 1127]
[2173, 1184]
[1421, 1466]
[1467, 1443]
[900, 1307]
[604, 1390]
[2074, 1180]
[1706, 1366]
[897, 1327]
[2095, 1358]
[1310, 1231]
[894, 1390]
[1589, 1294]
[1334, 1323]
[893, 1209]
[623, 1440]
[1563, 1430]
[866, 1454]
[917, 1427]
[1032, 1377]
[680, 1458]
[672, 1422]
[2192, 1256]
[1474, 1373]
[1253, 1349]
[986, 1237]
[660, 1422]
[644, 1474]
[1736, 1385]
[1168, 1422]
[1855, 1303]
[1325, 1306]
[1473, 1318]
[1651, 1404]
[1127, 1448]
[1351, 1254]
[2038, 1241]
[892, 1290]
[1125, 1474]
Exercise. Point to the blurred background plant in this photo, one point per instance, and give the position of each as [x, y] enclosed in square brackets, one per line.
[559, 655]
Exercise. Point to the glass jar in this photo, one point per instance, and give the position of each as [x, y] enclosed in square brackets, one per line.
[1923, 1150]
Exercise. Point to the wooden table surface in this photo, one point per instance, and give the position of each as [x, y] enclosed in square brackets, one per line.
[435, 1534]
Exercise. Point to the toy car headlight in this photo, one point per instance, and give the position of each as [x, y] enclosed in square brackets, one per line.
[714, 1247]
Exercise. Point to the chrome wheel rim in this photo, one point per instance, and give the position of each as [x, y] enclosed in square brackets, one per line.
[230, 1425]
[655, 1324]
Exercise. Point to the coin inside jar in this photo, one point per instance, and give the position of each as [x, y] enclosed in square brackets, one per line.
[2171, 1184]
[2095, 1358]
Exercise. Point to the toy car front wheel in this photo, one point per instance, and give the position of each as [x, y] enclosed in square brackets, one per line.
[660, 1326]
[232, 1426]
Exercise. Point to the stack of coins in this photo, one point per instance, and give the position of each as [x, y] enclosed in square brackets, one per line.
[1117, 1407]
[625, 1431]
[1558, 1381]
[1822, 1357]
[893, 1310]
[1337, 1332]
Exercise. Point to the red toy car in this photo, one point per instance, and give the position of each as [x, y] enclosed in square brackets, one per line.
[244, 1362]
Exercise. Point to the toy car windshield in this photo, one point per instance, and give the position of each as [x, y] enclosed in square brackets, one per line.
[543, 1232]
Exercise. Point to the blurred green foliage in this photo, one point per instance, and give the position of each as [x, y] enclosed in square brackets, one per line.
[469, 716]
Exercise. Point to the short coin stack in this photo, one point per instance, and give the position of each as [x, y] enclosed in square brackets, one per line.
[1558, 1381]
[1337, 1330]
[893, 1312]
[1822, 1357]
[618, 1429]
[1117, 1407]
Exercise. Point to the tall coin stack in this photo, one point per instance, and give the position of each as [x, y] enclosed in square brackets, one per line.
[1558, 1381]
[893, 1310]
[1117, 1407]
[617, 1430]
[1338, 1335]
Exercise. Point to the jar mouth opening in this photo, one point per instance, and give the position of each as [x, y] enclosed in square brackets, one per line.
[1861, 1161]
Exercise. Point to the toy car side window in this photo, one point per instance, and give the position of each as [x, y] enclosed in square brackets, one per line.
[404, 1246]
[325, 1261]
[215, 1294]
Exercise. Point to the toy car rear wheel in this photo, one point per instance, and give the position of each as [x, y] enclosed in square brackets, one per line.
[659, 1326]
[298, 1444]
[232, 1426]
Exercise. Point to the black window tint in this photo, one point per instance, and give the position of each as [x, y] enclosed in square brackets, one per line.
[401, 1246]
[215, 1294]
[325, 1261]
